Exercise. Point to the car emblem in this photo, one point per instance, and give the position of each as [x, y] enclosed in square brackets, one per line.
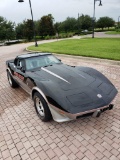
[99, 95]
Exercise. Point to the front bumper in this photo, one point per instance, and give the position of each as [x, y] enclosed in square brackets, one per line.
[62, 116]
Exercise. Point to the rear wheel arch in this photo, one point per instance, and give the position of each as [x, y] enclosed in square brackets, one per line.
[11, 81]
[8, 70]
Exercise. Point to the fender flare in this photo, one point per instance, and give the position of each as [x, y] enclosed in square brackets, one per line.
[34, 89]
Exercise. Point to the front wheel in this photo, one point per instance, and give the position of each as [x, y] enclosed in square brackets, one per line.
[41, 108]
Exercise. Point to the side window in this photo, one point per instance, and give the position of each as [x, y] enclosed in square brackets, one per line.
[19, 63]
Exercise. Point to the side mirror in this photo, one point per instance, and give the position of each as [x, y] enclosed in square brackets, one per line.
[21, 68]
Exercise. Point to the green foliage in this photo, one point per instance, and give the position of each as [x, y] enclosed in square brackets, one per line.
[46, 29]
[28, 30]
[7, 31]
[107, 48]
[74, 25]
[85, 22]
[20, 30]
[25, 30]
[10, 32]
[57, 27]
[46, 26]
[36, 24]
[104, 22]
[68, 25]
[2, 28]
[61, 35]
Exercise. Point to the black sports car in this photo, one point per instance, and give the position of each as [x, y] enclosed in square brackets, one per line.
[60, 91]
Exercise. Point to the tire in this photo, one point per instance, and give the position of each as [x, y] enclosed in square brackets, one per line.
[41, 108]
[11, 81]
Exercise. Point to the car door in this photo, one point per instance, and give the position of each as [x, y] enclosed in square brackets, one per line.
[21, 76]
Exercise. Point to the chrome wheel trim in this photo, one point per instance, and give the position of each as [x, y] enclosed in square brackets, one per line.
[39, 107]
[9, 79]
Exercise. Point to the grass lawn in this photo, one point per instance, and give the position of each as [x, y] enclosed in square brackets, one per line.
[113, 32]
[107, 48]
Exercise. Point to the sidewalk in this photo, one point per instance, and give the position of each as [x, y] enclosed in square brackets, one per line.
[24, 137]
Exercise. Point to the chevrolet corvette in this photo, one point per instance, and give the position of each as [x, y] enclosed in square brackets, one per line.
[61, 91]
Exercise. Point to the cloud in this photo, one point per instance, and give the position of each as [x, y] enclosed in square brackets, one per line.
[60, 9]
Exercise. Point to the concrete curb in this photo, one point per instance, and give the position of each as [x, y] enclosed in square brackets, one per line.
[30, 50]
[112, 62]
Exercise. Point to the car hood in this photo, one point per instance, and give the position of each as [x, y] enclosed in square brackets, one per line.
[67, 77]
[76, 89]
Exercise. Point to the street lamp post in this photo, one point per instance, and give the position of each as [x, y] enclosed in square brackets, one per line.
[78, 26]
[93, 20]
[118, 21]
[32, 21]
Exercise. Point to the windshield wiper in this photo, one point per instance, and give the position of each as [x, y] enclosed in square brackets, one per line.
[48, 65]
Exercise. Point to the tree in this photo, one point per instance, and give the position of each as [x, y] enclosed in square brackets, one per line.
[20, 30]
[36, 23]
[75, 25]
[104, 22]
[10, 31]
[6, 29]
[46, 26]
[68, 25]
[85, 22]
[28, 29]
[2, 29]
[57, 27]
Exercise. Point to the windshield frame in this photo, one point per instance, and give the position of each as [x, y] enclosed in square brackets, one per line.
[41, 56]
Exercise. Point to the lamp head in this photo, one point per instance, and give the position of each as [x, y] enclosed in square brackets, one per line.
[100, 3]
[21, 1]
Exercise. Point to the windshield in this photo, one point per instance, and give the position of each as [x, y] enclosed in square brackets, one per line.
[41, 61]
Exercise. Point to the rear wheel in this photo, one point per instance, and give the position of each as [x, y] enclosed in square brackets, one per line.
[11, 81]
[41, 108]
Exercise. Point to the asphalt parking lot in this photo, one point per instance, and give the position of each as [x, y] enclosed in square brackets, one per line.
[23, 136]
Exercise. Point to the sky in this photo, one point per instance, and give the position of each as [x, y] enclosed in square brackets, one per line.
[16, 12]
